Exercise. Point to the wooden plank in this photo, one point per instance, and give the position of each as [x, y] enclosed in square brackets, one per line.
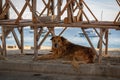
[67, 4]
[16, 39]
[33, 10]
[21, 13]
[4, 14]
[14, 8]
[106, 38]
[118, 1]
[35, 42]
[43, 39]
[89, 41]
[46, 6]
[59, 4]
[4, 42]
[0, 7]
[100, 49]
[90, 11]
[22, 39]
[117, 17]
[62, 31]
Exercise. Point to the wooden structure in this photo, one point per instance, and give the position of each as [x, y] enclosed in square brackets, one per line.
[52, 20]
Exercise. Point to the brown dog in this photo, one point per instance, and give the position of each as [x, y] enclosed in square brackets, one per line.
[62, 48]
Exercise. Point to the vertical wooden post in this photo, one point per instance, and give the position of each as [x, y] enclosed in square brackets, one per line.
[52, 13]
[69, 14]
[100, 44]
[52, 7]
[0, 6]
[4, 41]
[35, 42]
[106, 38]
[22, 40]
[34, 9]
[80, 16]
[7, 14]
[59, 9]
[35, 29]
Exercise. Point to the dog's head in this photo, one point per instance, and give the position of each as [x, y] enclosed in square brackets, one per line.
[58, 41]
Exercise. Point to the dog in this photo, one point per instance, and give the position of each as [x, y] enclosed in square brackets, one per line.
[62, 48]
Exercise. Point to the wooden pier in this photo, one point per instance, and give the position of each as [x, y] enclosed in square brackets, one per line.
[54, 10]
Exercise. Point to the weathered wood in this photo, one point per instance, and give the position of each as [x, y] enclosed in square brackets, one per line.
[117, 17]
[16, 39]
[62, 31]
[94, 50]
[99, 35]
[0, 7]
[59, 3]
[34, 19]
[118, 1]
[4, 42]
[46, 6]
[14, 8]
[4, 14]
[90, 11]
[35, 42]
[106, 38]
[21, 13]
[34, 4]
[43, 39]
[22, 39]
[100, 49]
[67, 4]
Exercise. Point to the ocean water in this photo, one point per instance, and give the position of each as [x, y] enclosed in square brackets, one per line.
[71, 34]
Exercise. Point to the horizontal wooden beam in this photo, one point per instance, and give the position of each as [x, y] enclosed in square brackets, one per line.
[84, 24]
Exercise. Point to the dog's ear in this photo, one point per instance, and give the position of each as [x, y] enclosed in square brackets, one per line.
[52, 38]
[62, 38]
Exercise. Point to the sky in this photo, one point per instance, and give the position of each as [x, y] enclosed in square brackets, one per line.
[107, 8]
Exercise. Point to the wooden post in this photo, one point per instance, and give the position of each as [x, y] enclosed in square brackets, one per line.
[52, 7]
[106, 38]
[35, 42]
[7, 14]
[34, 9]
[69, 13]
[35, 29]
[22, 40]
[59, 10]
[4, 41]
[100, 49]
[0, 6]
[81, 5]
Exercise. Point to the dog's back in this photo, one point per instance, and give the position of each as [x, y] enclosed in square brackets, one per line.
[79, 51]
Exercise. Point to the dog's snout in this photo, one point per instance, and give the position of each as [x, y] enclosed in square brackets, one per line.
[56, 46]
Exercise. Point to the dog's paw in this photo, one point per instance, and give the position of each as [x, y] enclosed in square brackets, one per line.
[75, 64]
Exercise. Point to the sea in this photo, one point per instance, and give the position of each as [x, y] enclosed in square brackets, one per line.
[72, 34]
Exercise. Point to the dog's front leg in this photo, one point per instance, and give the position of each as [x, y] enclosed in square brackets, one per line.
[45, 57]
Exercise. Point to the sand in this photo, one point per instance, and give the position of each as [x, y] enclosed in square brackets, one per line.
[13, 53]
